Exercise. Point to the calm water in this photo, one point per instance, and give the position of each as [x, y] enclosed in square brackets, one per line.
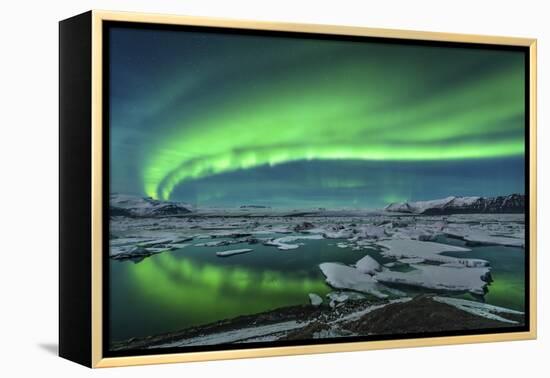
[508, 272]
[192, 286]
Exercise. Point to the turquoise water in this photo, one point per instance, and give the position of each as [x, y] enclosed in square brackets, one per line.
[192, 286]
[507, 270]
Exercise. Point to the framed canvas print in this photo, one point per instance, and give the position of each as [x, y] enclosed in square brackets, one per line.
[234, 188]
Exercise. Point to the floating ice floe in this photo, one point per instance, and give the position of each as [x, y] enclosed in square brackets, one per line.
[368, 231]
[156, 243]
[339, 234]
[411, 260]
[480, 309]
[284, 243]
[337, 298]
[505, 234]
[218, 243]
[368, 265]
[137, 248]
[130, 252]
[179, 246]
[345, 277]
[417, 233]
[233, 252]
[474, 280]
[481, 238]
[428, 251]
[315, 299]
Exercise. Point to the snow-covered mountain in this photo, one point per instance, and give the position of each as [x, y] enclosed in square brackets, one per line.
[513, 203]
[135, 206]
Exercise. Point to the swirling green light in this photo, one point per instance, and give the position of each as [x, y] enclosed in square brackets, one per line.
[356, 110]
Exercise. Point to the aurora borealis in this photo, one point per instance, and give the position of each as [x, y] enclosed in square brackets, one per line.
[226, 119]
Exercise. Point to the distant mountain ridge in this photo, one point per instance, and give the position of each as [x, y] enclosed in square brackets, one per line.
[513, 203]
[135, 206]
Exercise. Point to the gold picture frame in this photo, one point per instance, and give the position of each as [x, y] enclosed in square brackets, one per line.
[93, 263]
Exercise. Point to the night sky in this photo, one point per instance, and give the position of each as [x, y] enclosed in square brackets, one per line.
[229, 119]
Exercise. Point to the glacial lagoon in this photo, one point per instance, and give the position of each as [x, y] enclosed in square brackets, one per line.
[191, 286]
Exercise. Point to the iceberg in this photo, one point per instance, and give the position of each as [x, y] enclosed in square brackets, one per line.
[428, 251]
[315, 299]
[474, 280]
[284, 243]
[337, 298]
[483, 235]
[345, 277]
[474, 238]
[233, 252]
[368, 265]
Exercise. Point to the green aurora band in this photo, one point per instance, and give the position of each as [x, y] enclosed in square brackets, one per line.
[332, 100]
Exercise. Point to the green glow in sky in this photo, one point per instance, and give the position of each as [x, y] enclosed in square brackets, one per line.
[341, 117]
[203, 104]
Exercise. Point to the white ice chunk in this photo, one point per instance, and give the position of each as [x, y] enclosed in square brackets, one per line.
[478, 237]
[284, 243]
[429, 251]
[314, 299]
[411, 260]
[368, 231]
[368, 265]
[499, 231]
[340, 234]
[217, 243]
[344, 277]
[436, 277]
[233, 252]
[337, 298]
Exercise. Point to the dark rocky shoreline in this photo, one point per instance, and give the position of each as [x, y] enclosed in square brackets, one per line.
[421, 314]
